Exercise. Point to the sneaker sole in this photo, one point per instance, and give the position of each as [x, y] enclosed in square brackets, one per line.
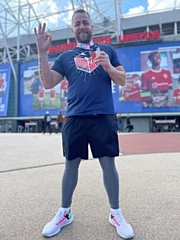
[58, 230]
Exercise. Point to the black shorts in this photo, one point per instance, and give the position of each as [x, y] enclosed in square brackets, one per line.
[99, 131]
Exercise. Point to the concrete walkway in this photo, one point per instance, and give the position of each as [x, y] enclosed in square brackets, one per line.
[31, 167]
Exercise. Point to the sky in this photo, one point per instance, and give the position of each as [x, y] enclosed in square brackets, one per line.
[139, 6]
[129, 7]
[47, 8]
[133, 6]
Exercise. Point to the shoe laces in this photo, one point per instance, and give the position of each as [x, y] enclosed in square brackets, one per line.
[119, 219]
[60, 215]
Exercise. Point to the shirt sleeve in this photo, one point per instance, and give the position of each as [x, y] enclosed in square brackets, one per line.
[59, 66]
[114, 58]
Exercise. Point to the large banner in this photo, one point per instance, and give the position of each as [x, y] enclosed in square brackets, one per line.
[153, 79]
[5, 76]
[34, 100]
[153, 83]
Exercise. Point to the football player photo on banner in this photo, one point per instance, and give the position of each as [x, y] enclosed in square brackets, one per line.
[131, 91]
[174, 66]
[153, 79]
[157, 80]
[129, 95]
[5, 75]
[33, 94]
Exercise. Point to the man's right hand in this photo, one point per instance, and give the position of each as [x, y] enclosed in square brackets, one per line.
[43, 39]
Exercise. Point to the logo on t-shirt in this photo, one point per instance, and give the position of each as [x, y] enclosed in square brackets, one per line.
[165, 75]
[85, 61]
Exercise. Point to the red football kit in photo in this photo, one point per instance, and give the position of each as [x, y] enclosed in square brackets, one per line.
[132, 94]
[41, 93]
[52, 93]
[157, 80]
[176, 95]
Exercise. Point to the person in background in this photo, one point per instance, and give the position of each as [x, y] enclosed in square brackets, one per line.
[59, 121]
[47, 122]
[119, 122]
[129, 125]
[89, 116]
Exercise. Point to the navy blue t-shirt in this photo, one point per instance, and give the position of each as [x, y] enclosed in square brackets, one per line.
[89, 90]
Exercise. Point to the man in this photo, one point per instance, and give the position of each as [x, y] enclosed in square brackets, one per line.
[129, 126]
[59, 122]
[119, 122]
[36, 84]
[157, 82]
[89, 117]
[47, 122]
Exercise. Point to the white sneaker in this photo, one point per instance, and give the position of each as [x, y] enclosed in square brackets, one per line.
[61, 219]
[123, 228]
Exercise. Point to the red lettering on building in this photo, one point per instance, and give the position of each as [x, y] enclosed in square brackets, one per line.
[62, 47]
[139, 36]
[156, 34]
[103, 40]
[133, 37]
[67, 46]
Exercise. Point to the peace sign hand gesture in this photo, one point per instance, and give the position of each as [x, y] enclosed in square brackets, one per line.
[43, 39]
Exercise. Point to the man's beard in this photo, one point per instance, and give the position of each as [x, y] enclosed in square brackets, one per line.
[84, 40]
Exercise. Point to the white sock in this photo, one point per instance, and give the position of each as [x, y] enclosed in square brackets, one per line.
[65, 209]
[115, 211]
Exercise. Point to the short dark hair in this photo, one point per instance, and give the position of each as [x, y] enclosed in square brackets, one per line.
[151, 55]
[36, 73]
[80, 11]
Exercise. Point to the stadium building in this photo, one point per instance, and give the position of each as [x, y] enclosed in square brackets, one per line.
[143, 43]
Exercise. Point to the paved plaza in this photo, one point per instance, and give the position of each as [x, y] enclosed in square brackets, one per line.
[31, 167]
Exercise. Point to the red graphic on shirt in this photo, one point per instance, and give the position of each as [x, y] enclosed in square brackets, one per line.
[85, 61]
